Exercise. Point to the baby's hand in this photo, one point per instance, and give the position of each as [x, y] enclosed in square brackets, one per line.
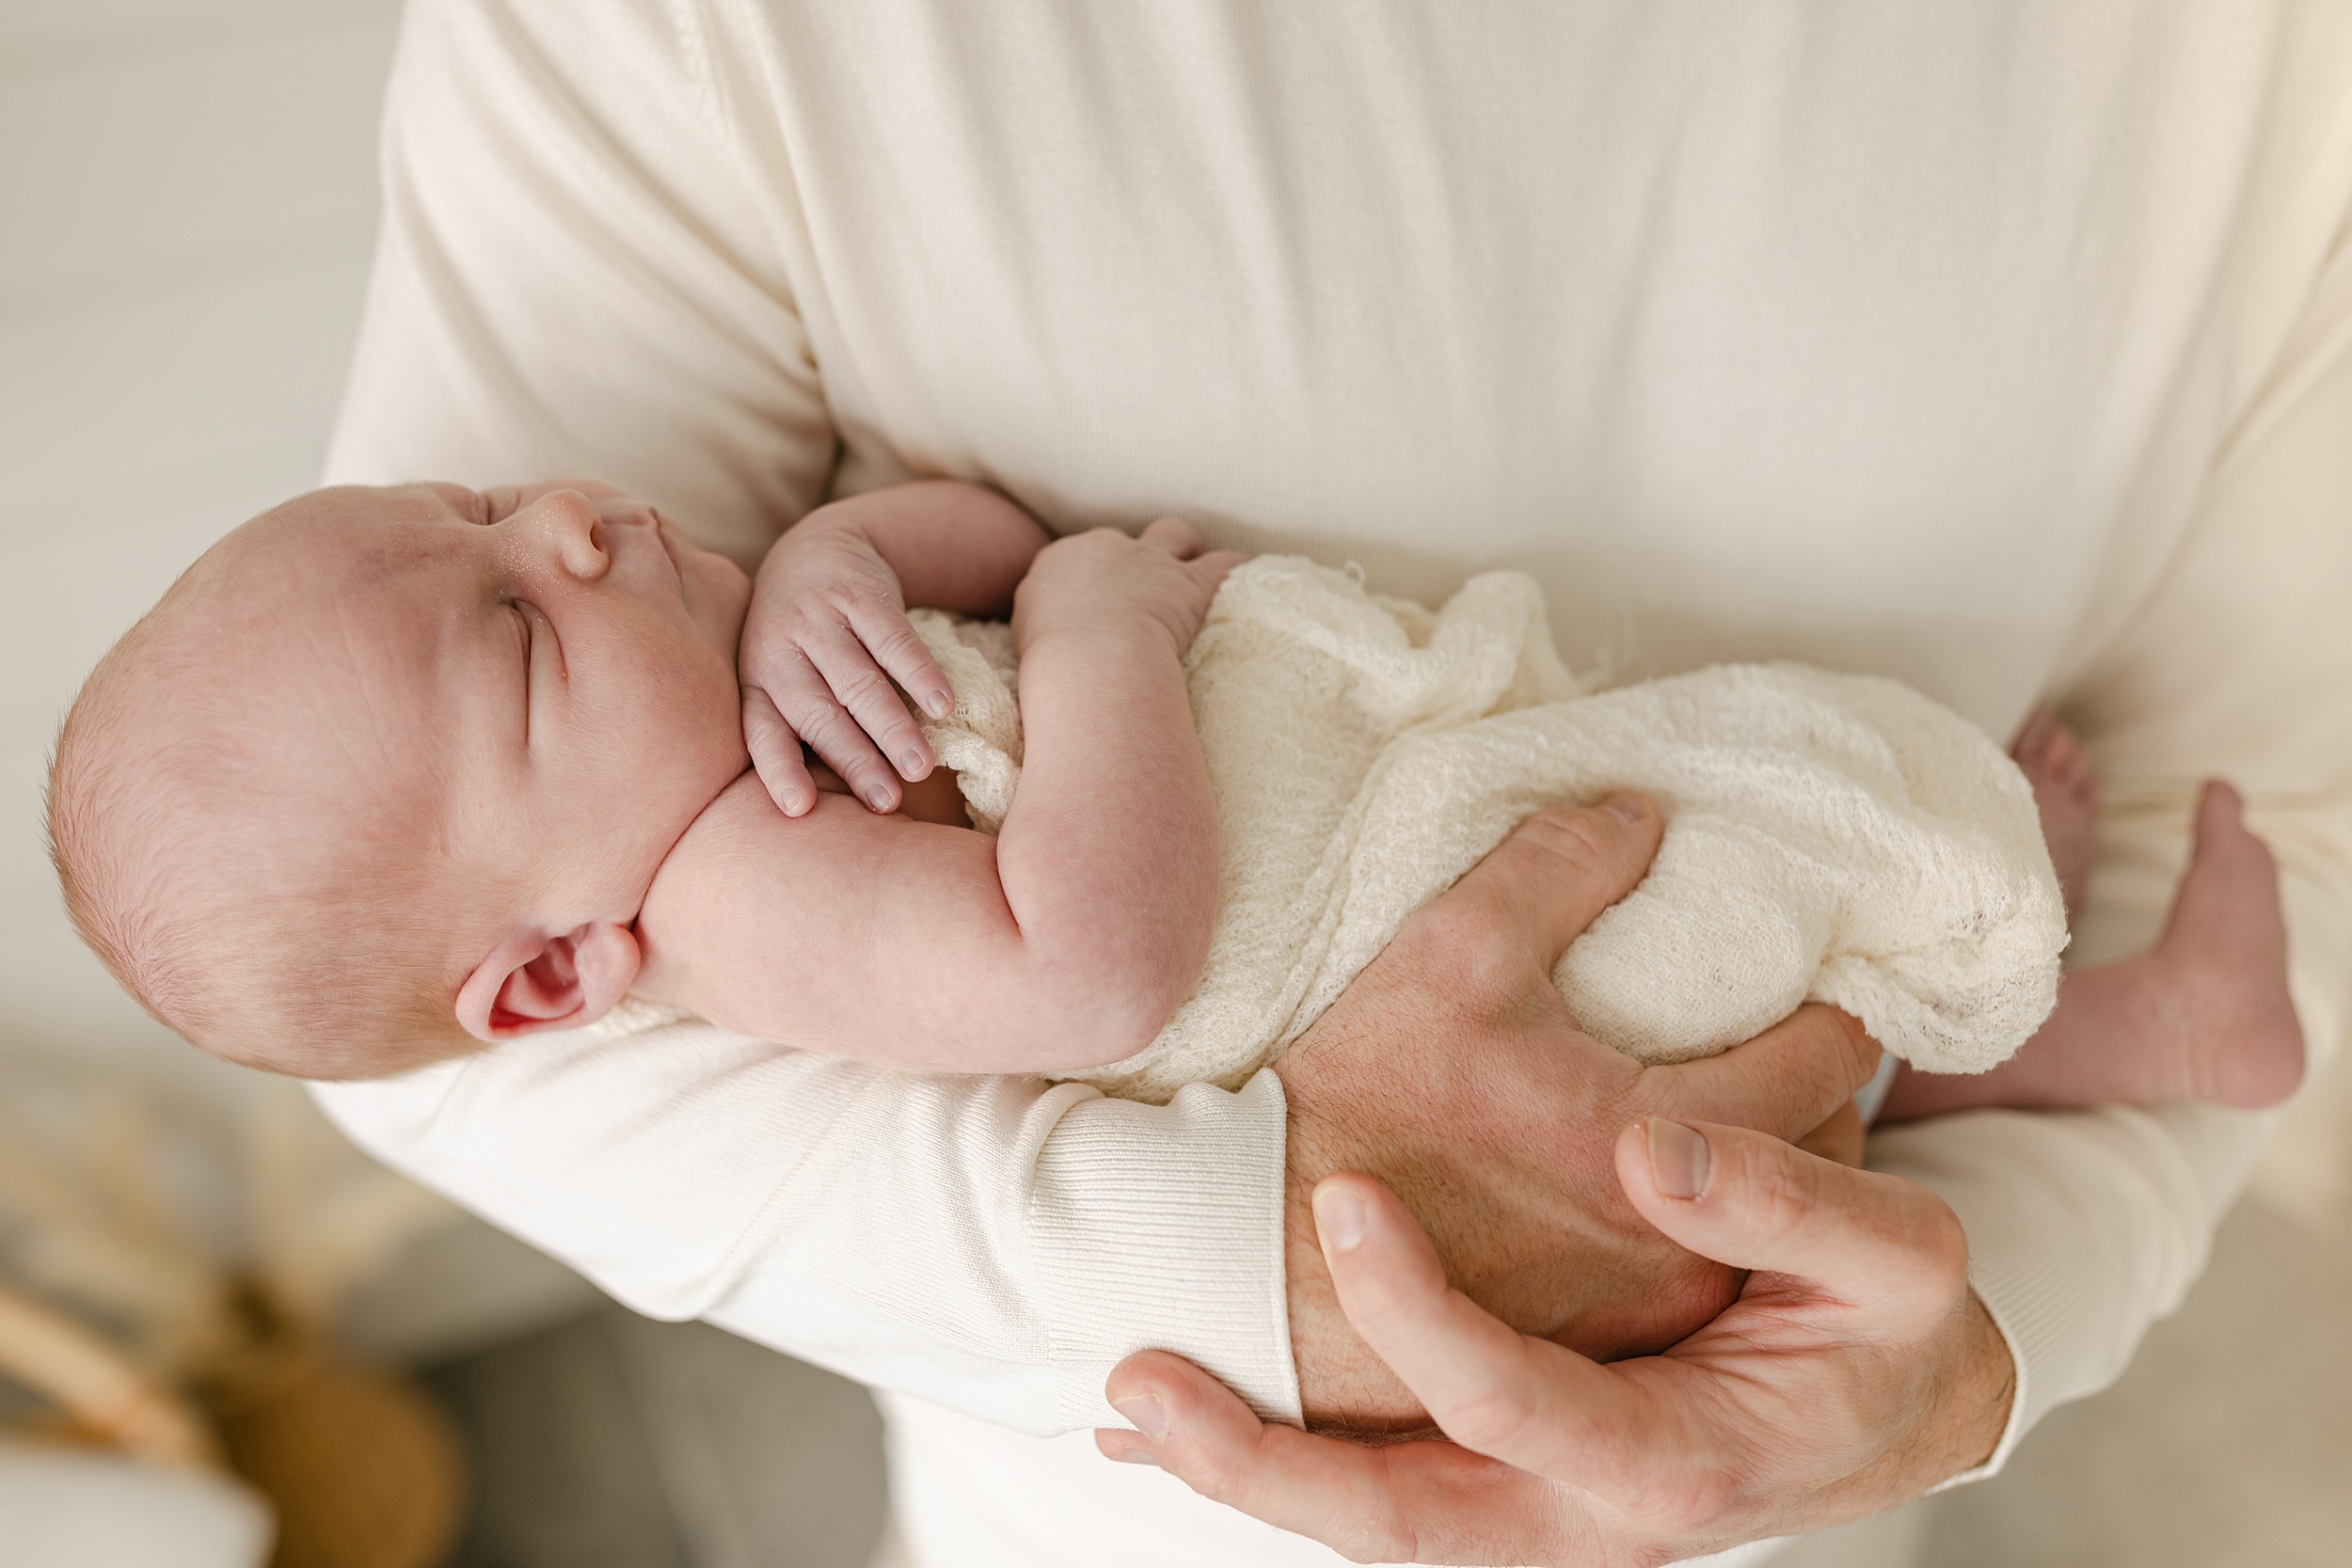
[826, 635]
[1103, 580]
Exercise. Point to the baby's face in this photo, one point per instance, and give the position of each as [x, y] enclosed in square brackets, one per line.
[544, 675]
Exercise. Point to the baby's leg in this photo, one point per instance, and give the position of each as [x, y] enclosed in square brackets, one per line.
[2203, 1017]
[2066, 793]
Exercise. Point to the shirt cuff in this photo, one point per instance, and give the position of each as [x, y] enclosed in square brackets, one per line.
[1161, 1228]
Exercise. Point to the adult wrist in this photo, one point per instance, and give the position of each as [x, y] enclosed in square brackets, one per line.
[1981, 1406]
[1975, 1406]
[1342, 1387]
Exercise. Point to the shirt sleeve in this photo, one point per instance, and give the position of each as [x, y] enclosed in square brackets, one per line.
[578, 276]
[2085, 1227]
[993, 1244]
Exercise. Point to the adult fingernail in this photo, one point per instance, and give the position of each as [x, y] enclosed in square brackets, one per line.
[1339, 1218]
[1629, 808]
[1679, 1158]
[909, 764]
[1145, 1413]
[1136, 1453]
[879, 799]
[939, 705]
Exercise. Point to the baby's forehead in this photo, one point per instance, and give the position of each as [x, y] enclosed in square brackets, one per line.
[351, 613]
[360, 559]
[360, 535]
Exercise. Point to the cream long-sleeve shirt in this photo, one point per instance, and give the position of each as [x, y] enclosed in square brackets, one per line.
[2006, 349]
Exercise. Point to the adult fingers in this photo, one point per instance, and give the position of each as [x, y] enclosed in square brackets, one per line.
[1172, 534]
[1528, 1403]
[805, 699]
[1748, 1199]
[890, 638]
[776, 754]
[1407, 1502]
[1196, 1429]
[1538, 890]
[1787, 1080]
[1840, 1138]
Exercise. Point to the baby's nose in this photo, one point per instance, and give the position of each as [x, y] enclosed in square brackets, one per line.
[567, 524]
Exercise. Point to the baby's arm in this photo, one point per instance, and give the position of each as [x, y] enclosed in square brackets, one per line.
[827, 632]
[1062, 943]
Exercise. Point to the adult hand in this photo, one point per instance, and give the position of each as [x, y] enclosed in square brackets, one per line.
[1451, 1071]
[1856, 1368]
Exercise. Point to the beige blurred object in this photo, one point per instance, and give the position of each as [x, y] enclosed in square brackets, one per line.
[103, 1397]
[215, 1349]
[2306, 1174]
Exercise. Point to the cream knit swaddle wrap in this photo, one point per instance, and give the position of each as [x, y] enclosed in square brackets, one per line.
[1836, 838]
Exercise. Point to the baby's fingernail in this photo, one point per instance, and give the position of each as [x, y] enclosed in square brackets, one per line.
[1679, 1158]
[1145, 1413]
[1339, 1218]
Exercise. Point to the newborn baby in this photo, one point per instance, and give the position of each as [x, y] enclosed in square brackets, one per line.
[390, 774]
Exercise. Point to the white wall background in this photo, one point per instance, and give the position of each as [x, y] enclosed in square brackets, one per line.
[187, 205]
[187, 200]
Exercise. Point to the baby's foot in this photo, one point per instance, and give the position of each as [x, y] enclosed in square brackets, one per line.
[2066, 792]
[2224, 952]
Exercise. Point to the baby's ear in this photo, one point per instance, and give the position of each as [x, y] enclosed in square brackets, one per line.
[533, 981]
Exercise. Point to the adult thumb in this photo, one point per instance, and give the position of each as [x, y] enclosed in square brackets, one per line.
[1748, 1199]
[1556, 873]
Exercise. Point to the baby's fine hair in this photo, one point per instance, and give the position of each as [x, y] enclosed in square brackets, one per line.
[239, 907]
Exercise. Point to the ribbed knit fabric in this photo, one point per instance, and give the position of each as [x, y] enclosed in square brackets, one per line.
[1020, 1240]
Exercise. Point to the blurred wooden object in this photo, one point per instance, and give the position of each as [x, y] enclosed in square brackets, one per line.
[213, 1358]
[102, 1394]
[364, 1470]
[360, 1470]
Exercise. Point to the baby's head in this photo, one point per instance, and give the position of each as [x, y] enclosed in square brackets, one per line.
[388, 773]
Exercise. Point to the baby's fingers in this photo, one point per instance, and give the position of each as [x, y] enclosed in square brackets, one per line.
[1210, 568]
[1174, 535]
[804, 692]
[860, 686]
[776, 754]
[890, 638]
